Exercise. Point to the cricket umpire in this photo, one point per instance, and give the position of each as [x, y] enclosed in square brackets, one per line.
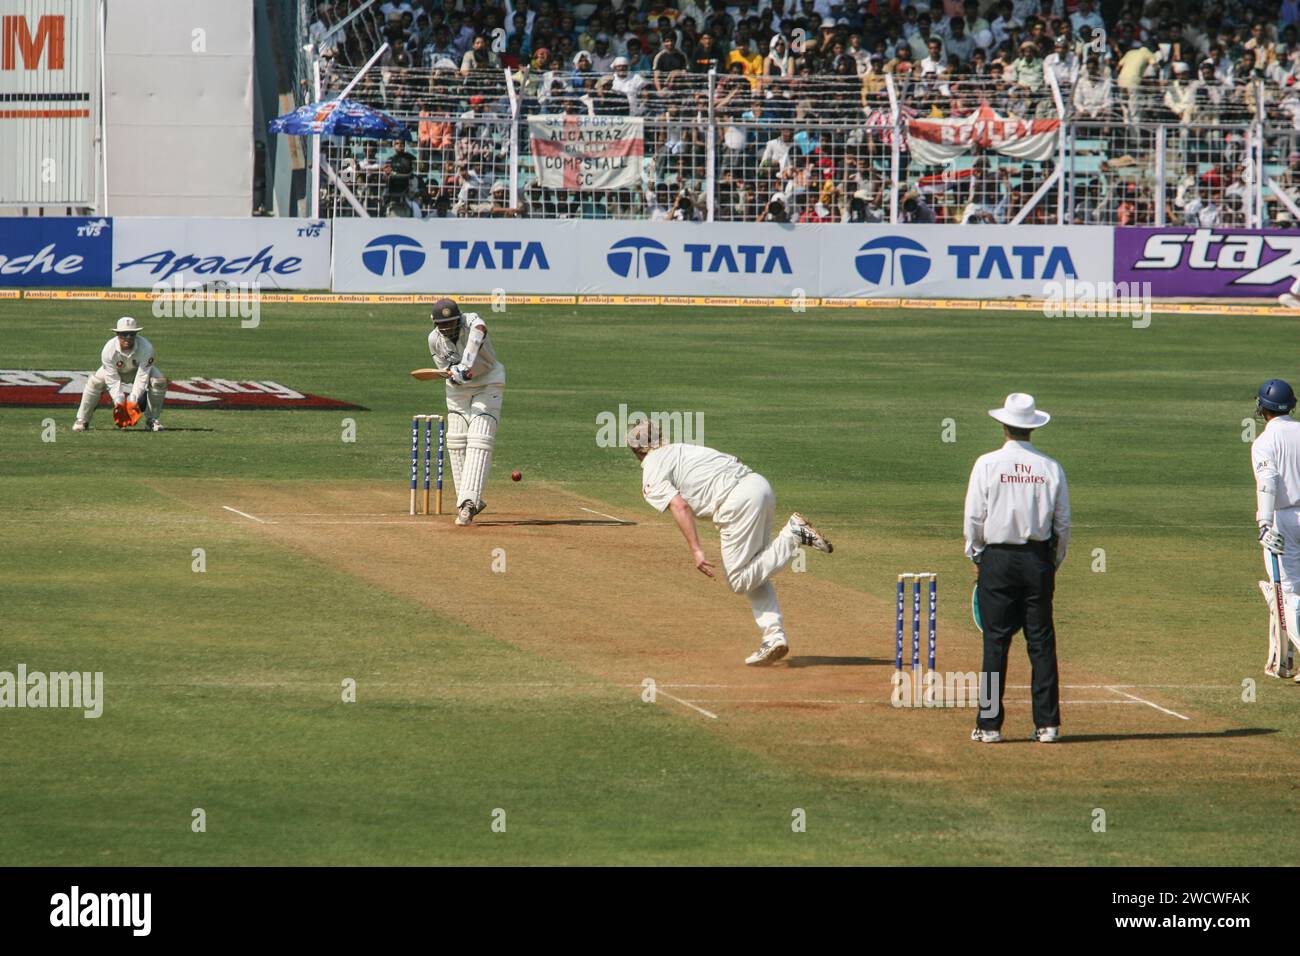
[1017, 528]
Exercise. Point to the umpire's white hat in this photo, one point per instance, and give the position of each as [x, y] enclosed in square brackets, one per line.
[1020, 411]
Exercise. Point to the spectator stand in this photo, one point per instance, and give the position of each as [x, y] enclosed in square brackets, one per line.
[1152, 130]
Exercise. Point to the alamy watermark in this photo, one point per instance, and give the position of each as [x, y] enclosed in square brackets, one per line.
[174, 298]
[686, 428]
[79, 690]
[1079, 299]
[946, 689]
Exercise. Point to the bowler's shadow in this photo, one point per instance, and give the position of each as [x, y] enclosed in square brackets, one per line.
[578, 522]
[813, 660]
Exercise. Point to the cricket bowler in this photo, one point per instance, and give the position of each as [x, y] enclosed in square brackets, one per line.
[693, 481]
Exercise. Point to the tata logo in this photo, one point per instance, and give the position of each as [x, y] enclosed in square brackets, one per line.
[497, 255]
[393, 255]
[892, 260]
[1014, 262]
[167, 262]
[636, 255]
[748, 259]
[1207, 251]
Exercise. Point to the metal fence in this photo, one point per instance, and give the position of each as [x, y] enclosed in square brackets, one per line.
[828, 148]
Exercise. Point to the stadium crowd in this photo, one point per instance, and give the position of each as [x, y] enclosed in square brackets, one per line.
[795, 94]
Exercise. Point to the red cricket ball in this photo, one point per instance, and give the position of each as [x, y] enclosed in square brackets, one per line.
[516, 475]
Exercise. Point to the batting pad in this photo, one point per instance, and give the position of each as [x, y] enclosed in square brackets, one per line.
[457, 432]
[478, 457]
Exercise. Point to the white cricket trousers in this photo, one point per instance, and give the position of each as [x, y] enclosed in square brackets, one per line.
[745, 523]
[97, 384]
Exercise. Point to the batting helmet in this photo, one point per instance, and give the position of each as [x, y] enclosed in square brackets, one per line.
[1276, 396]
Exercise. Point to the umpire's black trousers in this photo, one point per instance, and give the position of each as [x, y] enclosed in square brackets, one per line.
[1016, 582]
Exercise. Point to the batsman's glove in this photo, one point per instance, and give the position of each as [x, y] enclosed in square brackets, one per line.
[1271, 539]
[459, 374]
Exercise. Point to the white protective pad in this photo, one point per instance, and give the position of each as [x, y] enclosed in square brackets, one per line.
[457, 433]
[96, 385]
[478, 458]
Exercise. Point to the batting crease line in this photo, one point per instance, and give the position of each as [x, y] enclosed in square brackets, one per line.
[819, 700]
[245, 514]
[603, 515]
[707, 713]
[1143, 700]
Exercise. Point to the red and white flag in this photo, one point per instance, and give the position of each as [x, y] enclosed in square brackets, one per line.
[936, 142]
[587, 152]
[938, 182]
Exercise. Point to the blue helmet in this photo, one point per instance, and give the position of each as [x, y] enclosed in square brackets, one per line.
[1276, 396]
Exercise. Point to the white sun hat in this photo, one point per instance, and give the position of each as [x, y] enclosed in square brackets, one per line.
[1019, 411]
[127, 324]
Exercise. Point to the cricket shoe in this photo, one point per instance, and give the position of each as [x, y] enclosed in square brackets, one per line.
[153, 425]
[986, 736]
[1046, 735]
[79, 426]
[1288, 300]
[807, 534]
[769, 652]
[465, 514]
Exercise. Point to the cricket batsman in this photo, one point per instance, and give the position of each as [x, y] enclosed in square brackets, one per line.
[693, 481]
[1275, 456]
[475, 380]
[126, 356]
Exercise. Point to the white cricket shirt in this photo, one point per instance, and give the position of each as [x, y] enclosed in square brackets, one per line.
[1275, 457]
[132, 366]
[486, 370]
[702, 476]
[1016, 495]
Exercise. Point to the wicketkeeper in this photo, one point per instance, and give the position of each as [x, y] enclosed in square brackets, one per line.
[128, 355]
[1275, 457]
[461, 348]
[694, 481]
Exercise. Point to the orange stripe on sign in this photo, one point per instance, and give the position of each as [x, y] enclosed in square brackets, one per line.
[44, 114]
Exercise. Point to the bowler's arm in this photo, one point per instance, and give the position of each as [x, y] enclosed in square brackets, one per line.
[685, 519]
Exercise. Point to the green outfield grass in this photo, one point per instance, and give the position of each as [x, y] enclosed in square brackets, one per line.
[223, 687]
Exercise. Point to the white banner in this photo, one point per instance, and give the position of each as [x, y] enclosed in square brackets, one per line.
[49, 103]
[587, 152]
[567, 257]
[456, 255]
[936, 142]
[960, 262]
[265, 252]
[574, 257]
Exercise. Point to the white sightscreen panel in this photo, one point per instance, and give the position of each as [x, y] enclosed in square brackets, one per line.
[48, 88]
[180, 107]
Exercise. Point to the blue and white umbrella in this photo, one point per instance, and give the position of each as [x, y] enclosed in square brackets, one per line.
[340, 117]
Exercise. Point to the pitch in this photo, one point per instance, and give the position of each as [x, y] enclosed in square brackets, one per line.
[500, 669]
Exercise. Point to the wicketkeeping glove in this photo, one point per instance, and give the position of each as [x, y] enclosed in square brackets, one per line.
[120, 415]
[1271, 539]
[132, 414]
